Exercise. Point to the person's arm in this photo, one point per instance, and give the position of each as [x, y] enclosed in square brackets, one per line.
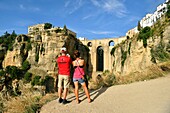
[81, 63]
[73, 63]
[56, 60]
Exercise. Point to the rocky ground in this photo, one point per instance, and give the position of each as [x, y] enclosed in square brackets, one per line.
[151, 96]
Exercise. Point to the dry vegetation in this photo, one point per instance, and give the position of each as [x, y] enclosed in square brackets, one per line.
[152, 72]
[29, 102]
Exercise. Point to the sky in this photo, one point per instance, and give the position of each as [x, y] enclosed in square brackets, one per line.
[92, 19]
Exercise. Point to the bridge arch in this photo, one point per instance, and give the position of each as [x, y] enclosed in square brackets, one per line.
[100, 59]
[89, 44]
[111, 43]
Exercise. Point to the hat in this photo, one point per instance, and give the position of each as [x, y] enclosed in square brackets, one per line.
[63, 50]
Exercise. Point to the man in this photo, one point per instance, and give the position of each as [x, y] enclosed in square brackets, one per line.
[64, 62]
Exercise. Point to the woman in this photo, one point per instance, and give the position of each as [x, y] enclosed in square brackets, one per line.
[78, 76]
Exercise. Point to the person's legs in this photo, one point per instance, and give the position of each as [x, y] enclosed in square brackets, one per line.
[60, 88]
[65, 93]
[76, 91]
[66, 86]
[86, 91]
[60, 95]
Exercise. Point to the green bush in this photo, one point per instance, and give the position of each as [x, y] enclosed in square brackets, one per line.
[123, 56]
[36, 81]
[47, 78]
[47, 26]
[28, 47]
[58, 31]
[159, 53]
[144, 34]
[168, 11]
[2, 73]
[10, 47]
[8, 40]
[26, 65]
[129, 47]
[15, 72]
[28, 77]
[113, 51]
[153, 59]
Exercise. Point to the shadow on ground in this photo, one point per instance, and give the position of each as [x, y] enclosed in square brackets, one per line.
[97, 93]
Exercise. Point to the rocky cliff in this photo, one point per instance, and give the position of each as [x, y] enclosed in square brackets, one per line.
[41, 52]
[131, 56]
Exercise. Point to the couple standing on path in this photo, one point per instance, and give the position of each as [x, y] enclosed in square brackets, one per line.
[64, 63]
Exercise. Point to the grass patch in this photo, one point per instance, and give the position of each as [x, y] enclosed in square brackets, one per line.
[151, 72]
[30, 102]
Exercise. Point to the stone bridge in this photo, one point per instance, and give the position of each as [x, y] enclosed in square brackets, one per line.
[100, 49]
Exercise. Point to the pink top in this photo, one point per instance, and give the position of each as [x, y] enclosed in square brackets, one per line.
[78, 72]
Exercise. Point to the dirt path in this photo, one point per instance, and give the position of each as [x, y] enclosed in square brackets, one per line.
[142, 97]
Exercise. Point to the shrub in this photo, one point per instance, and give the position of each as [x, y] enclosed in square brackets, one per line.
[26, 65]
[28, 47]
[108, 78]
[27, 77]
[58, 30]
[159, 53]
[144, 34]
[168, 11]
[2, 73]
[113, 51]
[36, 81]
[15, 73]
[47, 26]
[123, 56]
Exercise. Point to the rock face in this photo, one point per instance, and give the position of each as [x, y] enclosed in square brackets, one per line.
[42, 52]
[132, 57]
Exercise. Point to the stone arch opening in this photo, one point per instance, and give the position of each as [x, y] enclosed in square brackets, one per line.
[89, 44]
[100, 58]
[111, 43]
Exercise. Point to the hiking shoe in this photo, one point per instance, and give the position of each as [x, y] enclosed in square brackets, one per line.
[65, 101]
[60, 100]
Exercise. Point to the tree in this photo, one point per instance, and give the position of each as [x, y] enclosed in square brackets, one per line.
[139, 26]
[144, 34]
[47, 26]
[65, 30]
[13, 34]
[168, 11]
[14, 72]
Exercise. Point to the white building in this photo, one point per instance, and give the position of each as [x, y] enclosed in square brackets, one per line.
[150, 19]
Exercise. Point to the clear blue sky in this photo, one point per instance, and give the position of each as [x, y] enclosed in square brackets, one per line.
[92, 19]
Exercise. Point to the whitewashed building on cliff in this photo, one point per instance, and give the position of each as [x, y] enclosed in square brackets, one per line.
[150, 19]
